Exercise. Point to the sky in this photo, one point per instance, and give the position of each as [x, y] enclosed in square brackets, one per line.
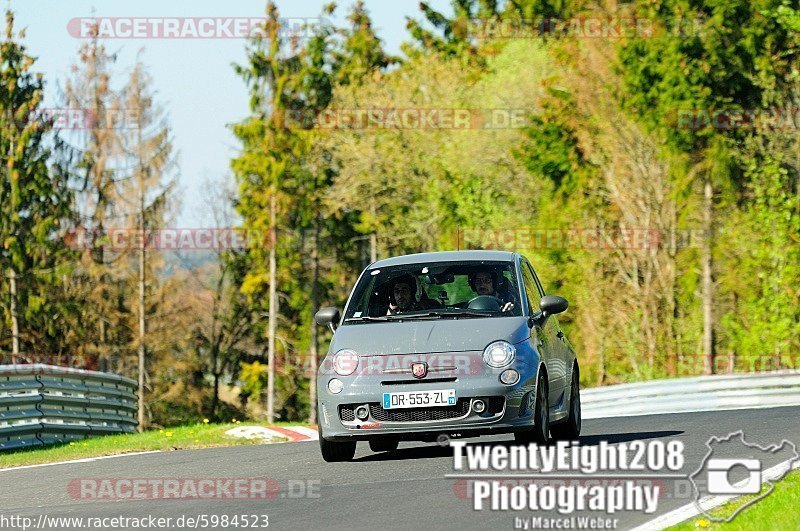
[193, 78]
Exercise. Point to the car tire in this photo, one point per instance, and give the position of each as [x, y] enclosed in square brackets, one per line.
[383, 445]
[540, 434]
[335, 452]
[570, 429]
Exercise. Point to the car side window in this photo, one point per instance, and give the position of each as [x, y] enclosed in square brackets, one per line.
[531, 289]
[535, 279]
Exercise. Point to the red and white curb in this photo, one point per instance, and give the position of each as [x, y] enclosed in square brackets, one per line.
[293, 433]
[297, 433]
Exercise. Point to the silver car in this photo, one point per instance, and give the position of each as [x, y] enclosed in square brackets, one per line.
[453, 344]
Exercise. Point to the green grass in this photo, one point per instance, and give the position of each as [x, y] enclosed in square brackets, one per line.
[779, 510]
[177, 438]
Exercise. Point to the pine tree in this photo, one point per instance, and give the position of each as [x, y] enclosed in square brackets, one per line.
[263, 170]
[147, 145]
[35, 201]
[98, 170]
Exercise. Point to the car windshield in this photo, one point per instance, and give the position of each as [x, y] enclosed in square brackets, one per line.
[452, 290]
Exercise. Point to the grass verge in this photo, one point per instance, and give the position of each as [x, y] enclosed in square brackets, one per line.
[777, 511]
[177, 438]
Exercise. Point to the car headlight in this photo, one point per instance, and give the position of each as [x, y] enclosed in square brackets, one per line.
[499, 354]
[345, 362]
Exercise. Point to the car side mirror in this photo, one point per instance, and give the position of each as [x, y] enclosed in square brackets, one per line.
[328, 316]
[549, 305]
[553, 304]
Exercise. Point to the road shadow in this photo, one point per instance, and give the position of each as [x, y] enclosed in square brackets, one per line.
[436, 451]
[614, 438]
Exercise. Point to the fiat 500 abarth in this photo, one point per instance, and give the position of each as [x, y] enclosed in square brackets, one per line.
[451, 343]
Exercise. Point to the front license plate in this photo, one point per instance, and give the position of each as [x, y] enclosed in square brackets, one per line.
[445, 397]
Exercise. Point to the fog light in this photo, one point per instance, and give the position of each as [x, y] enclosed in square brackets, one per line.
[509, 377]
[335, 386]
[362, 412]
[479, 406]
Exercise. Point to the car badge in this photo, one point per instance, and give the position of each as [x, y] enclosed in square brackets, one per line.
[419, 370]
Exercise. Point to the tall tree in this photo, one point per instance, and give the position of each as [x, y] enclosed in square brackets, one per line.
[719, 64]
[147, 145]
[35, 201]
[264, 168]
[99, 165]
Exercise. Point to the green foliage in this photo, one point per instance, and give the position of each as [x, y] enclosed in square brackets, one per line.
[603, 148]
[767, 238]
[253, 377]
[35, 208]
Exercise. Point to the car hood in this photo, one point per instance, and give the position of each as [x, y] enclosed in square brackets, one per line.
[428, 336]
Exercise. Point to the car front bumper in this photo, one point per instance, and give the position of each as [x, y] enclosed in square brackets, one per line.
[508, 407]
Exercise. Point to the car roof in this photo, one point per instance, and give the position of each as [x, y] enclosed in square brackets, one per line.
[446, 256]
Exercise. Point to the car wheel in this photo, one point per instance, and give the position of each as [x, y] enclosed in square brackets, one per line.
[540, 434]
[383, 445]
[334, 452]
[571, 428]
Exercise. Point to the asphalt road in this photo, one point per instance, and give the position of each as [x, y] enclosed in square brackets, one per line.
[406, 489]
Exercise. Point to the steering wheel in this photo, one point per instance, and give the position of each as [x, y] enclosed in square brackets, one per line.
[486, 303]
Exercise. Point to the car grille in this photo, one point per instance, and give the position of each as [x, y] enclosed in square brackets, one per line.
[421, 414]
[347, 413]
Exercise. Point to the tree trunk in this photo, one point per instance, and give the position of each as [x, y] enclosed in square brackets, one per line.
[142, 262]
[215, 398]
[674, 328]
[312, 386]
[141, 311]
[12, 280]
[373, 239]
[708, 281]
[273, 311]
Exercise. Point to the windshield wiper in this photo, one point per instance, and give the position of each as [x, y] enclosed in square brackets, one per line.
[400, 316]
[396, 317]
[392, 317]
[366, 318]
[459, 313]
[426, 315]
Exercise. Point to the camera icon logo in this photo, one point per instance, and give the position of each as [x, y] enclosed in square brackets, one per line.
[720, 472]
[733, 467]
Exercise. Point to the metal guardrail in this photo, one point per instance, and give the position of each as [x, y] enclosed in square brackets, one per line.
[43, 404]
[700, 393]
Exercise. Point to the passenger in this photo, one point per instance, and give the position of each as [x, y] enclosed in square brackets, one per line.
[484, 282]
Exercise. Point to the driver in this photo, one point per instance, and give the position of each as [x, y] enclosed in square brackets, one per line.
[484, 282]
[404, 295]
